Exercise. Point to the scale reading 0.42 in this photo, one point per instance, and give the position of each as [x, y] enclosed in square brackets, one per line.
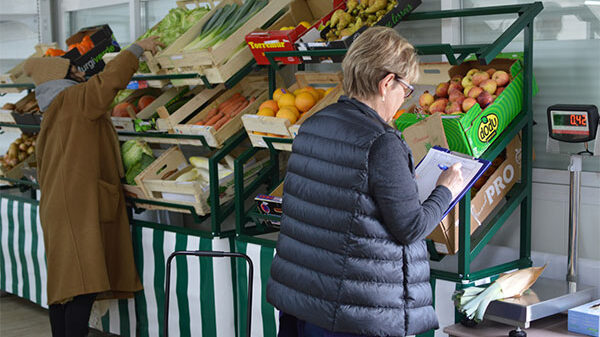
[572, 123]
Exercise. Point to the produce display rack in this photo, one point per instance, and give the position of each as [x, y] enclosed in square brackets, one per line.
[218, 212]
[140, 78]
[470, 246]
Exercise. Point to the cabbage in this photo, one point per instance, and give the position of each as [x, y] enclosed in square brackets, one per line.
[137, 168]
[132, 151]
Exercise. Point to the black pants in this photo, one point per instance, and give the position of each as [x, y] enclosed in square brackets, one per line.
[71, 319]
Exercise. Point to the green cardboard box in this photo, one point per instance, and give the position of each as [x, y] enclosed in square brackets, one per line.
[473, 132]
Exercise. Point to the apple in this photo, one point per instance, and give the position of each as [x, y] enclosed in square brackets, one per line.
[455, 86]
[454, 95]
[501, 77]
[460, 100]
[468, 103]
[479, 77]
[439, 105]
[499, 91]
[484, 99]
[471, 72]
[144, 101]
[123, 110]
[442, 89]
[466, 91]
[489, 86]
[467, 82]
[452, 107]
[426, 99]
[491, 72]
[474, 92]
[456, 79]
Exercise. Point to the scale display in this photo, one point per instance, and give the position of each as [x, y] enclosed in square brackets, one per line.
[573, 123]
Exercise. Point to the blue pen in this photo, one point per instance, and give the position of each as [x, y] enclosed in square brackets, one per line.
[442, 167]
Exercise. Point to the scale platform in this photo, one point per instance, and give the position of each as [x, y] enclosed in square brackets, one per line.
[545, 298]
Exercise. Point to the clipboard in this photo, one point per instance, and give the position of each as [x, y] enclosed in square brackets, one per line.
[426, 177]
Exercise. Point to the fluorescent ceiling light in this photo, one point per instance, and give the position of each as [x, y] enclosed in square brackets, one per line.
[592, 3]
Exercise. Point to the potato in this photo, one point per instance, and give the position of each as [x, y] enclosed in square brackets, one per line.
[31, 150]
[23, 146]
[22, 156]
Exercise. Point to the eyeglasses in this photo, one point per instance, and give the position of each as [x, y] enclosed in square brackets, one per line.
[409, 89]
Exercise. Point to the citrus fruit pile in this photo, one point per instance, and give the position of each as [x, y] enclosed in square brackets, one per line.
[291, 105]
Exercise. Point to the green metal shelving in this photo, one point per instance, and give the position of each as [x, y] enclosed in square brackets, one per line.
[470, 246]
[219, 212]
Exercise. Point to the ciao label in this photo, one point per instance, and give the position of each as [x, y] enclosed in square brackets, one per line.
[488, 128]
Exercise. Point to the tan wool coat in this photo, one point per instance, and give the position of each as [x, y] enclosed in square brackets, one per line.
[82, 206]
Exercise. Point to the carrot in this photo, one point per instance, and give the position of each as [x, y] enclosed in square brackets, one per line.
[221, 122]
[235, 96]
[211, 113]
[240, 109]
[232, 102]
[233, 108]
[214, 119]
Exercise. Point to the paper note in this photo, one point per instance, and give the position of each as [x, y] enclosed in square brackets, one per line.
[428, 171]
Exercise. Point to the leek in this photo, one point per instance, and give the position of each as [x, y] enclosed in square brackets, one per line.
[473, 301]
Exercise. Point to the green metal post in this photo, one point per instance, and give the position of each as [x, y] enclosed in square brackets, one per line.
[272, 80]
[218, 214]
[464, 239]
[527, 143]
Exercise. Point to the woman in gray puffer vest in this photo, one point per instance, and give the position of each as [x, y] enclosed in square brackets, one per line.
[351, 257]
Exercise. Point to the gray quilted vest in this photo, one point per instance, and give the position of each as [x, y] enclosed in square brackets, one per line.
[336, 265]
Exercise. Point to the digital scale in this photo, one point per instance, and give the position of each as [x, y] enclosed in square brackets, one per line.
[572, 124]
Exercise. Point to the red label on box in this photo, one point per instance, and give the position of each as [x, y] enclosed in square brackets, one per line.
[274, 40]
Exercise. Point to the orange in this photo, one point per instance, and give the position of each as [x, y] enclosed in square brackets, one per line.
[269, 104]
[287, 113]
[293, 109]
[278, 92]
[321, 92]
[328, 91]
[305, 101]
[299, 91]
[266, 112]
[313, 92]
[286, 99]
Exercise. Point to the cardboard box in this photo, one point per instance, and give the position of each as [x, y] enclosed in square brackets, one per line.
[275, 39]
[483, 202]
[104, 42]
[270, 204]
[585, 319]
[308, 40]
[474, 131]
[424, 135]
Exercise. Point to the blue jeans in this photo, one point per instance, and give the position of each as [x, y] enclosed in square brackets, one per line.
[290, 326]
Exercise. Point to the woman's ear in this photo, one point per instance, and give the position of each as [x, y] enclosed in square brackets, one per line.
[385, 84]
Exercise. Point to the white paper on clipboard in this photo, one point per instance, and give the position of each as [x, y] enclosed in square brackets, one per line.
[428, 171]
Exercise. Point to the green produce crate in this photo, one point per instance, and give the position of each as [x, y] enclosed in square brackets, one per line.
[473, 132]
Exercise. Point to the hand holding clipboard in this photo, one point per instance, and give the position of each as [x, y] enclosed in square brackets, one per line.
[429, 170]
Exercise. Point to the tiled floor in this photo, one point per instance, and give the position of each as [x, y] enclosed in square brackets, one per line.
[21, 318]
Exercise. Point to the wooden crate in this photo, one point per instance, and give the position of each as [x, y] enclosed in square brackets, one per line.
[216, 138]
[7, 117]
[282, 127]
[175, 57]
[135, 191]
[17, 73]
[215, 74]
[158, 183]
[152, 60]
[17, 171]
[162, 98]
[201, 94]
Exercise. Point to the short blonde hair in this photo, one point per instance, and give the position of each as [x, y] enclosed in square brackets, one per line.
[377, 52]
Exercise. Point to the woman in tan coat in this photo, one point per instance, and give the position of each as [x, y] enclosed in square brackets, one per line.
[82, 206]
